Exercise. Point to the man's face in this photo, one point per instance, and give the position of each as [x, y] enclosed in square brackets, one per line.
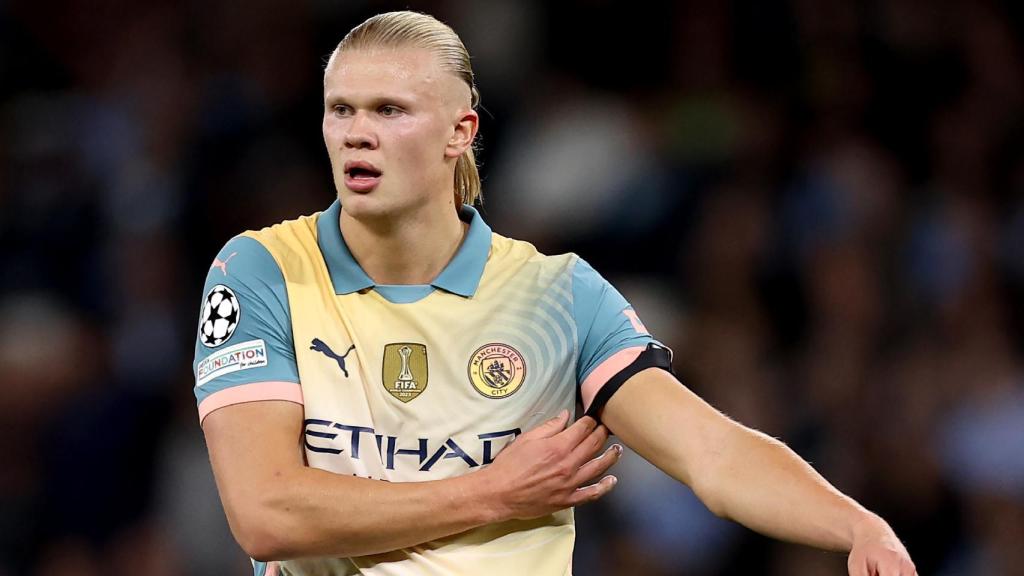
[394, 124]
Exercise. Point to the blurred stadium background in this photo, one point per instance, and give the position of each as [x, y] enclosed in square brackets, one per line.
[818, 204]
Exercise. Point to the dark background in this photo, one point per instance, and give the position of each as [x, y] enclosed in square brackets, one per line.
[818, 204]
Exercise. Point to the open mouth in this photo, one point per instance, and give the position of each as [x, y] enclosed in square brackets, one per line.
[361, 176]
[361, 173]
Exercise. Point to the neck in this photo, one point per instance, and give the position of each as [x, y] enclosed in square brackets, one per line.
[412, 249]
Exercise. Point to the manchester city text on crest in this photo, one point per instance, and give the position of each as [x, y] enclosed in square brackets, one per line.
[497, 370]
[405, 370]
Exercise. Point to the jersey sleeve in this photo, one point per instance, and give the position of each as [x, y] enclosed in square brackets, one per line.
[244, 348]
[613, 342]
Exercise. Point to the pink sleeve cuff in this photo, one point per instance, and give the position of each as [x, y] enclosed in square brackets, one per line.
[599, 376]
[255, 392]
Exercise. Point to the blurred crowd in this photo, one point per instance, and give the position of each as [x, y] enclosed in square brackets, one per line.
[818, 204]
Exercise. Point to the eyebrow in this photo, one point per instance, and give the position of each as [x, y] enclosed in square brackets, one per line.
[372, 102]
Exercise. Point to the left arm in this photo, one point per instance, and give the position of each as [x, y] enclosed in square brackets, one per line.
[747, 476]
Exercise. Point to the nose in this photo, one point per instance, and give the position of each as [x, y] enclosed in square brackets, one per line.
[360, 133]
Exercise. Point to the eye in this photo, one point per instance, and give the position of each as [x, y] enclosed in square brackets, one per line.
[389, 110]
[342, 110]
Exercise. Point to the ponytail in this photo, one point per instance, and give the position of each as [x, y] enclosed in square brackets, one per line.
[467, 179]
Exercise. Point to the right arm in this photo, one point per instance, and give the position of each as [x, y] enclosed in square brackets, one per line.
[278, 508]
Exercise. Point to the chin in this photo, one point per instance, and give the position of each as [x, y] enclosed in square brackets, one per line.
[366, 205]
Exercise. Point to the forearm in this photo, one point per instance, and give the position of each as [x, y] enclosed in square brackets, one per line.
[311, 512]
[747, 476]
[762, 484]
[737, 472]
[279, 508]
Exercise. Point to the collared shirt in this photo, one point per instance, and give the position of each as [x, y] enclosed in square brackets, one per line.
[461, 276]
[413, 383]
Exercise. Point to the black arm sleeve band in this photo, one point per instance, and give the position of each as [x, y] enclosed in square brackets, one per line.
[655, 356]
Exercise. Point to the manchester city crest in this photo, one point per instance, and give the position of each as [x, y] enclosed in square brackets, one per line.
[497, 370]
[405, 370]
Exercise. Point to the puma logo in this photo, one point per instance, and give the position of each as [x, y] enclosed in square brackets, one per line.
[223, 265]
[321, 346]
[635, 321]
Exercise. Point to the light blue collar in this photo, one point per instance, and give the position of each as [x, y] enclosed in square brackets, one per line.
[461, 276]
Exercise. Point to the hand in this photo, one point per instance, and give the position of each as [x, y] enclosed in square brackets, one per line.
[546, 469]
[877, 551]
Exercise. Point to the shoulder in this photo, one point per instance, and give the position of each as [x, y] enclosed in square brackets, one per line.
[287, 237]
[284, 250]
[253, 265]
[518, 266]
[510, 252]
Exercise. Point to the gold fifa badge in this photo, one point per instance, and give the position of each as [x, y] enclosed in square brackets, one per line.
[497, 370]
[405, 370]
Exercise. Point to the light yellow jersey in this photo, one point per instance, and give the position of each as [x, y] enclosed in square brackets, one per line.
[414, 383]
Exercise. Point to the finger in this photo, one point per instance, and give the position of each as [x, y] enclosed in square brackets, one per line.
[892, 565]
[549, 428]
[593, 492]
[589, 446]
[579, 430]
[599, 465]
[904, 567]
[857, 565]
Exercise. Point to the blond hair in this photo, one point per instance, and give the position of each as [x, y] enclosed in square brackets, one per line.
[406, 28]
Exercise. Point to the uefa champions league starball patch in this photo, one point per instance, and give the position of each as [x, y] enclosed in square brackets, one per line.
[220, 317]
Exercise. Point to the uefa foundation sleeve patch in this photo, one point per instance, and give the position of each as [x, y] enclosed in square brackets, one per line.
[251, 354]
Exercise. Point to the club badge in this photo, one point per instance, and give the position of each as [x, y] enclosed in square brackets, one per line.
[497, 370]
[405, 370]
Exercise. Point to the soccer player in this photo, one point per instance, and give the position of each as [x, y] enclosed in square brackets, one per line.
[386, 386]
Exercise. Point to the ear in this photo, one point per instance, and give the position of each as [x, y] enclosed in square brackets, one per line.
[465, 128]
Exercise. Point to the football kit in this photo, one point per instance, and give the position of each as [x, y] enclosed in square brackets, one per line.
[414, 383]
